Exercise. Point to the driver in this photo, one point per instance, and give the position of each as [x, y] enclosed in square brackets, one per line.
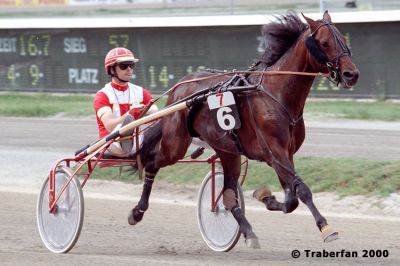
[120, 102]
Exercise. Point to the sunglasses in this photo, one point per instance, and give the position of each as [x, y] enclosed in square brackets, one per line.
[126, 65]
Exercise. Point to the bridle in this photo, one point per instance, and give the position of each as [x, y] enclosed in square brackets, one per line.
[341, 50]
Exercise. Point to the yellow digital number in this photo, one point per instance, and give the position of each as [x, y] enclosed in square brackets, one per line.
[163, 77]
[35, 74]
[22, 45]
[152, 73]
[189, 70]
[112, 40]
[32, 44]
[32, 47]
[321, 85]
[201, 68]
[11, 75]
[333, 87]
[46, 38]
[120, 40]
[124, 40]
[347, 37]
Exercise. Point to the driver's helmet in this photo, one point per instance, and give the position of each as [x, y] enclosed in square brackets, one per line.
[118, 55]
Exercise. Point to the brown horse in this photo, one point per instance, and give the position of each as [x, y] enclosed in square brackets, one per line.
[272, 127]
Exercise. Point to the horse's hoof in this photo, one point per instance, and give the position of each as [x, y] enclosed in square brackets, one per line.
[131, 218]
[328, 234]
[262, 193]
[252, 241]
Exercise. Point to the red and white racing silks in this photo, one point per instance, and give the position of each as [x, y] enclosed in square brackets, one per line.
[119, 100]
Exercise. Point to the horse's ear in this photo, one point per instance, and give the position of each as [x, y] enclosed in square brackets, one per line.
[310, 22]
[326, 16]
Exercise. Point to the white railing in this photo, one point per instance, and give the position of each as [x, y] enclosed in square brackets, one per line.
[183, 21]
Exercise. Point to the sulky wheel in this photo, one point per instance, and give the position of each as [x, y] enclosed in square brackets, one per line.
[60, 230]
[218, 228]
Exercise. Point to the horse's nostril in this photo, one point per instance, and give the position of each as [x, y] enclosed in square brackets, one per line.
[350, 75]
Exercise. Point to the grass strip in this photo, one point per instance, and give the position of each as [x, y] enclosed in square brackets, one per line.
[44, 105]
[342, 176]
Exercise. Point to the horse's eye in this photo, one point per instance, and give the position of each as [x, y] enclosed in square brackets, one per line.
[325, 44]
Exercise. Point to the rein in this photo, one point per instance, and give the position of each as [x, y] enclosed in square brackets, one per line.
[201, 93]
[264, 72]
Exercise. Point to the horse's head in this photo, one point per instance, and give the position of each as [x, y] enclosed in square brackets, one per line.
[330, 52]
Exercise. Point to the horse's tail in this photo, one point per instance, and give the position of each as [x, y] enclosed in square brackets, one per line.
[152, 136]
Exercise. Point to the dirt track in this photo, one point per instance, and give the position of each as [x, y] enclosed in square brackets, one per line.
[329, 138]
[168, 235]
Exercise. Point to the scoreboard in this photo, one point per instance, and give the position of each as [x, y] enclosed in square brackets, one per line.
[72, 59]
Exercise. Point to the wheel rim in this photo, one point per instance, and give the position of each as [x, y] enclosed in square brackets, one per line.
[60, 231]
[219, 229]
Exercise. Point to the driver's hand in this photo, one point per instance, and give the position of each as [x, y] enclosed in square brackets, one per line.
[135, 112]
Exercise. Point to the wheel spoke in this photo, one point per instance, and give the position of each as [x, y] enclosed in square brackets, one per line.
[60, 231]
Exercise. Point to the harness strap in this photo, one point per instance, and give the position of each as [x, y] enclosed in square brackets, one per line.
[293, 121]
[237, 142]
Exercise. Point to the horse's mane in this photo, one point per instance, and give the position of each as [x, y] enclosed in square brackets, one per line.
[280, 35]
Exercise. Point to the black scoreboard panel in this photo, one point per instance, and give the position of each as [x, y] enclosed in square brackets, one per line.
[72, 60]
[375, 51]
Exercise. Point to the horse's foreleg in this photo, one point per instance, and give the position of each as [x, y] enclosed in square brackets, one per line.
[296, 190]
[305, 195]
[137, 212]
[231, 174]
[264, 195]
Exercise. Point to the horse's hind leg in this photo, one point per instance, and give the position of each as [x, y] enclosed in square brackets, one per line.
[231, 165]
[136, 215]
[158, 150]
[148, 154]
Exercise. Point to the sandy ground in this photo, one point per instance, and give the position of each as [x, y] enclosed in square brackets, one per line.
[169, 234]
